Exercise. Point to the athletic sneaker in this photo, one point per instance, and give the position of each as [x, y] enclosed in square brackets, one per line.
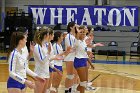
[89, 86]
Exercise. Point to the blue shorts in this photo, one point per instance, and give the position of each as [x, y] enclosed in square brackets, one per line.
[80, 62]
[11, 83]
[58, 67]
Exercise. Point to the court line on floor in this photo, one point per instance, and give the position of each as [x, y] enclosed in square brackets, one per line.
[120, 89]
[115, 62]
[122, 74]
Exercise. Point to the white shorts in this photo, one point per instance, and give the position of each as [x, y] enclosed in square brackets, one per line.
[70, 57]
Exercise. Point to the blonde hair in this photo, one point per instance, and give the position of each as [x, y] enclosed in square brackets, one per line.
[39, 35]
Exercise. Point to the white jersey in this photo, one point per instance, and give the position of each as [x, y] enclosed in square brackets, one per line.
[41, 61]
[69, 41]
[58, 50]
[88, 48]
[25, 55]
[25, 52]
[86, 37]
[52, 55]
[81, 49]
[18, 66]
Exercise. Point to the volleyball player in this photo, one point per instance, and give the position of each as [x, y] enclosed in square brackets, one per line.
[18, 67]
[80, 61]
[71, 78]
[58, 50]
[90, 37]
[82, 55]
[51, 62]
[42, 56]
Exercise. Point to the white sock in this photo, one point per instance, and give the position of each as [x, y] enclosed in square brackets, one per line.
[89, 83]
[74, 87]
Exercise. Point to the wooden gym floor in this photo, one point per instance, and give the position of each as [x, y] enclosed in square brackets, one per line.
[114, 78]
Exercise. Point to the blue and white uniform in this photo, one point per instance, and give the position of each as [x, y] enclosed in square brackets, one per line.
[88, 48]
[80, 54]
[58, 50]
[69, 41]
[18, 67]
[25, 52]
[41, 61]
[52, 55]
[25, 55]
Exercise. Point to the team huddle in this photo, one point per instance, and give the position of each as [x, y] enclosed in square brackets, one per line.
[49, 56]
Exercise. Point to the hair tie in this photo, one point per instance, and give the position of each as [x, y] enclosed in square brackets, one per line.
[38, 35]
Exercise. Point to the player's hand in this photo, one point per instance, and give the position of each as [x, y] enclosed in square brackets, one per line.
[30, 84]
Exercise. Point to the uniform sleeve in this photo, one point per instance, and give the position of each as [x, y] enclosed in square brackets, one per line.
[30, 72]
[54, 47]
[52, 55]
[67, 43]
[12, 67]
[40, 55]
[88, 48]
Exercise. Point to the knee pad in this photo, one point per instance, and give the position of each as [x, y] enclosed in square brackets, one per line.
[54, 89]
[70, 77]
[83, 84]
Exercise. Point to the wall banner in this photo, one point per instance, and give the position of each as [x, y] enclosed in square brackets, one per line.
[85, 15]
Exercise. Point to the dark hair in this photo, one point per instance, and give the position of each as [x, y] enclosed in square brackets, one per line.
[89, 30]
[22, 29]
[39, 35]
[15, 38]
[70, 24]
[56, 36]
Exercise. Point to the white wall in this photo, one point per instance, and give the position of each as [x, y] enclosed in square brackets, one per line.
[21, 3]
[125, 2]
